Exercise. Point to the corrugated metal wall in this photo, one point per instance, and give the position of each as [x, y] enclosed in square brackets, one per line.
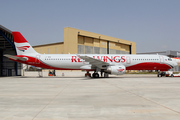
[87, 45]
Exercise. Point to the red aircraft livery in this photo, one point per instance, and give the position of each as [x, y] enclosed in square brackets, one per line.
[115, 64]
[23, 48]
[116, 59]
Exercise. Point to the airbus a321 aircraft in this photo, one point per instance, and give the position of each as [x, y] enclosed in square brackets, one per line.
[105, 63]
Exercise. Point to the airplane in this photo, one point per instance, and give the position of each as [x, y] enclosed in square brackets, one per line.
[107, 64]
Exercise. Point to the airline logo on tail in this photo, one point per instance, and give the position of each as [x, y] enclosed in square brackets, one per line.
[23, 48]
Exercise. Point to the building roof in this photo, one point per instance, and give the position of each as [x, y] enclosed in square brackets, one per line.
[48, 44]
[168, 53]
[5, 29]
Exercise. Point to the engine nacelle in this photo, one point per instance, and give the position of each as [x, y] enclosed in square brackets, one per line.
[116, 70]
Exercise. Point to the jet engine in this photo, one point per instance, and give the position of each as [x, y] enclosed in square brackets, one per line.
[116, 70]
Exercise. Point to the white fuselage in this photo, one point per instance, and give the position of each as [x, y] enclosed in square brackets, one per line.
[72, 61]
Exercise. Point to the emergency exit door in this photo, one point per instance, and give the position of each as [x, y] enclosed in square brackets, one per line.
[128, 60]
[161, 59]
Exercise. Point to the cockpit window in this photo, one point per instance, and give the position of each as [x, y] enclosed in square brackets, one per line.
[169, 59]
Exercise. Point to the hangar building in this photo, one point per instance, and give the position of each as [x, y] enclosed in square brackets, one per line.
[8, 67]
[82, 42]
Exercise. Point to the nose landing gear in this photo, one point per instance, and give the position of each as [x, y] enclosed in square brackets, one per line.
[161, 74]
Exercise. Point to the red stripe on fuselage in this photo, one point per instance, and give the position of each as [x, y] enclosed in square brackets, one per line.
[37, 63]
[149, 66]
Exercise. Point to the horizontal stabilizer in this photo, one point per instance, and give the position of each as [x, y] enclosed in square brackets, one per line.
[15, 57]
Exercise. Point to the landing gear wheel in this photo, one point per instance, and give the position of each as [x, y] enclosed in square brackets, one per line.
[95, 75]
[172, 75]
[159, 74]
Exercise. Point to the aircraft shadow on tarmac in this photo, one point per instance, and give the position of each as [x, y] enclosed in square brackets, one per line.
[86, 78]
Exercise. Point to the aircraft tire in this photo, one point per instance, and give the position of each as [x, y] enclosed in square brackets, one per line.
[95, 75]
[158, 75]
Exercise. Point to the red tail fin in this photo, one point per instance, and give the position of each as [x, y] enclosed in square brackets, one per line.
[18, 38]
[22, 45]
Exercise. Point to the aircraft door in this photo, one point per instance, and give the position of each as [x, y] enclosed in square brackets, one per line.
[161, 59]
[38, 59]
[128, 60]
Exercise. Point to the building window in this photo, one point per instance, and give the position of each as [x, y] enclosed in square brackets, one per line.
[112, 51]
[103, 50]
[80, 49]
[96, 50]
[88, 50]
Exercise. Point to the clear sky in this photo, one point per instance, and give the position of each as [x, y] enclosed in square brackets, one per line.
[153, 24]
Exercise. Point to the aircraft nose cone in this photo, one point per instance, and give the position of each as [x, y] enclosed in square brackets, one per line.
[176, 62]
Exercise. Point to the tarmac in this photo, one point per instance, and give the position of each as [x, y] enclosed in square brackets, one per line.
[125, 97]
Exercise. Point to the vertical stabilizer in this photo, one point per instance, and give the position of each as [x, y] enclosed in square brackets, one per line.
[22, 45]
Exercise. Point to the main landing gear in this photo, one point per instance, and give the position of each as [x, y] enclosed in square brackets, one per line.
[96, 74]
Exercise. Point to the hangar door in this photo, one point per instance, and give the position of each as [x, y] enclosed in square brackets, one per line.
[1, 57]
[7, 67]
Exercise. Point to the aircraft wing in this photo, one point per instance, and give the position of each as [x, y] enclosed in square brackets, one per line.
[15, 57]
[94, 62]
